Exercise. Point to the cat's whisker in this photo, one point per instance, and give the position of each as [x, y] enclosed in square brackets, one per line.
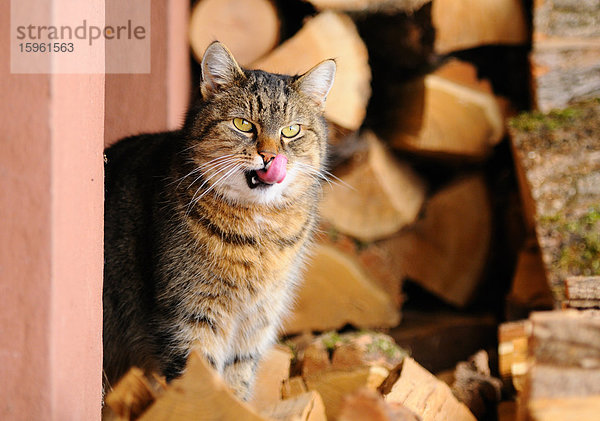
[225, 168]
[325, 175]
[218, 166]
[217, 159]
[199, 168]
[220, 180]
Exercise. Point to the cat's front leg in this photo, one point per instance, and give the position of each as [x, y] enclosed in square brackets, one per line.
[239, 373]
[256, 334]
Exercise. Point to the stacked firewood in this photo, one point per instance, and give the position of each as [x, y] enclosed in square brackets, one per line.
[351, 377]
[383, 219]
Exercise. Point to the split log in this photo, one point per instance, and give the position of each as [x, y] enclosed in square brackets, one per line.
[199, 394]
[425, 395]
[446, 251]
[335, 292]
[329, 35]
[448, 112]
[358, 360]
[564, 380]
[305, 407]
[462, 24]
[370, 6]
[377, 196]
[566, 408]
[230, 22]
[583, 292]
[132, 395]
[333, 386]
[293, 387]
[315, 359]
[529, 290]
[272, 371]
[377, 262]
[566, 338]
[366, 404]
[565, 57]
[512, 352]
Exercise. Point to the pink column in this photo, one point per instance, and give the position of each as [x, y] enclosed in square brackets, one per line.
[52, 134]
[51, 206]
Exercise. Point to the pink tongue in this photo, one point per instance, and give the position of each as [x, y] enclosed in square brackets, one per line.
[276, 171]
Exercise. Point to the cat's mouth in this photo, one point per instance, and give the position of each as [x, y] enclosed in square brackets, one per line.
[254, 181]
[274, 172]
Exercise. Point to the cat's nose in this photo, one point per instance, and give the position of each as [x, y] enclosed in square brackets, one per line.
[267, 156]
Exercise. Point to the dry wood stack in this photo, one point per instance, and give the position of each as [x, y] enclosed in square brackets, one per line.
[367, 374]
[563, 380]
[381, 204]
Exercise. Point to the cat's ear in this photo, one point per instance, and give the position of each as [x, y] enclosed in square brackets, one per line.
[317, 82]
[219, 69]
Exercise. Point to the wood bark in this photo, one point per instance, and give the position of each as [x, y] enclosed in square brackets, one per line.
[425, 395]
[566, 338]
[230, 22]
[329, 35]
[335, 292]
[376, 197]
[583, 291]
[449, 112]
[565, 57]
[564, 380]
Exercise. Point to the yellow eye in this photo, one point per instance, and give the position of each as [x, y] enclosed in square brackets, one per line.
[290, 131]
[243, 125]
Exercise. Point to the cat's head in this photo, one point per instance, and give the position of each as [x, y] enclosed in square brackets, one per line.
[258, 137]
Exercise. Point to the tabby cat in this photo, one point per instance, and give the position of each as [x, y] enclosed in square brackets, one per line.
[207, 227]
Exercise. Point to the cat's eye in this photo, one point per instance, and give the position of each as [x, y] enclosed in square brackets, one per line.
[243, 125]
[291, 130]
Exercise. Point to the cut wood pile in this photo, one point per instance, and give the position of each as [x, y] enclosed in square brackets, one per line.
[351, 377]
[440, 219]
[553, 359]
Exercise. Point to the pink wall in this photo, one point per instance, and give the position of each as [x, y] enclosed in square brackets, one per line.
[52, 133]
[144, 103]
[51, 205]
[25, 255]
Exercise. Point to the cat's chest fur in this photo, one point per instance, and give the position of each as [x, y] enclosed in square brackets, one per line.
[251, 253]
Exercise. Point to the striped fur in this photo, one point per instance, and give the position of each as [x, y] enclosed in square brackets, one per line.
[194, 256]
